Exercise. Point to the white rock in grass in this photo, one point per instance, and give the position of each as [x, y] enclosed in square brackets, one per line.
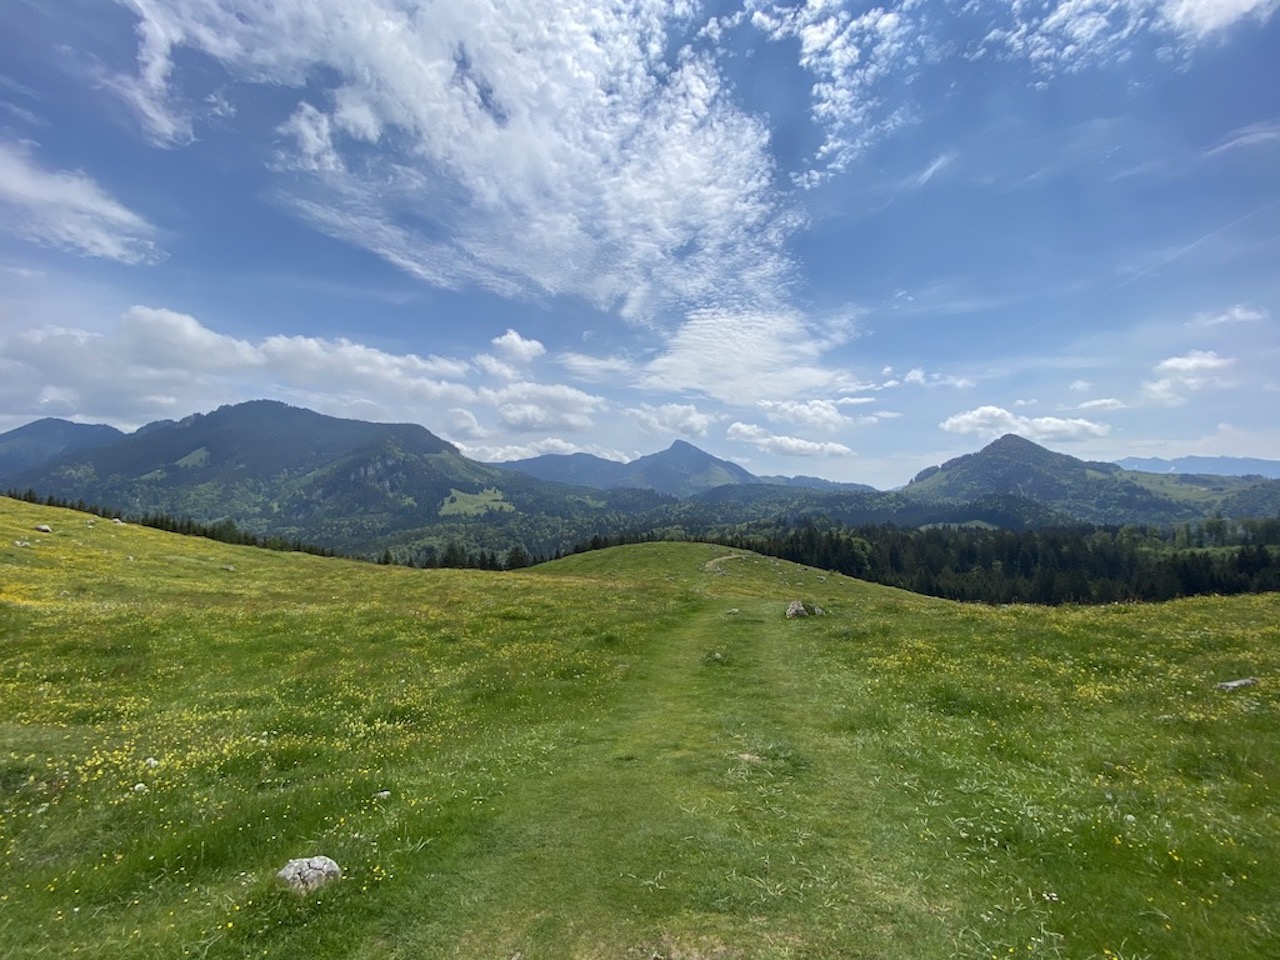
[796, 609]
[309, 873]
[43, 528]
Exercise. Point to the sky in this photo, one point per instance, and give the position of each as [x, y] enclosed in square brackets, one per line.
[838, 240]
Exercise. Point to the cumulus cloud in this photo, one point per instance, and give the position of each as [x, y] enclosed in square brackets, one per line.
[495, 367]
[784, 446]
[518, 349]
[820, 414]
[1194, 361]
[992, 421]
[155, 362]
[683, 418]
[67, 210]
[495, 453]
[530, 406]
[1194, 370]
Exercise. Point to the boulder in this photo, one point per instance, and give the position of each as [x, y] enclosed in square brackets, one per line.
[796, 609]
[306, 874]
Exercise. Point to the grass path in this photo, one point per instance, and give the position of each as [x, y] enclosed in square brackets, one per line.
[706, 804]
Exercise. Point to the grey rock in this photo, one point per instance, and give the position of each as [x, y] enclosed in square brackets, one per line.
[796, 609]
[1229, 685]
[43, 528]
[306, 874]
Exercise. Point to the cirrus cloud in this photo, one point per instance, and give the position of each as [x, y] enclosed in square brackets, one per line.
[70, 211]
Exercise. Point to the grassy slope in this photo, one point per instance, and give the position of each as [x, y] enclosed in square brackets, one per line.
[623, 754]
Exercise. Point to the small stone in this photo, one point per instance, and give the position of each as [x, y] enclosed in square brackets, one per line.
[43, 528]
[306, 874]
[382, 795]
[1229, 685]
[796, 609]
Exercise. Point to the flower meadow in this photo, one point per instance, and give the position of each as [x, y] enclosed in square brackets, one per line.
[629, 753]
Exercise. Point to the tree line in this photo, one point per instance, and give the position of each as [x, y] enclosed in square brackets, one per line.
[1075, 565]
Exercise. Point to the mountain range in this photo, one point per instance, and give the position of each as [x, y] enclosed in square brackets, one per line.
[283, 471]
[1220, 466]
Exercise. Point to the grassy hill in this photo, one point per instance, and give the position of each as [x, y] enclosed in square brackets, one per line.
[624, 754]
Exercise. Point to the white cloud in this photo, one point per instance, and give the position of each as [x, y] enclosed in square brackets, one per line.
[1198, 18]
[1079, 386]
[540, 406]
[819, 414]
[1236, 313]
[495, 367]
[156, 362]
[1068, 34]
[516, 348]
[542, 150]
[464, 424]
[522, 451]
[597, 369]
[1195, 360]
[683, 418]
[784, 446]
[1195, 370]
[742, 357]
[992, 421]
[917, 377]
[850, 56]
[939, 164]
[69, 211]
[1250, 135]
[1102, 403]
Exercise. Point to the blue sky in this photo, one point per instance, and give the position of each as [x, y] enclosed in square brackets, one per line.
[840, 240]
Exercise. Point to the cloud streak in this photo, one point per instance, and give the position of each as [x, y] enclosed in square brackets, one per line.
[67, 210]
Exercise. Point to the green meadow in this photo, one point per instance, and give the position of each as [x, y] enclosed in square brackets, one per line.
[625, 754]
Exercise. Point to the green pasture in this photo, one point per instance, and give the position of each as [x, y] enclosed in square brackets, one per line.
[624, 754]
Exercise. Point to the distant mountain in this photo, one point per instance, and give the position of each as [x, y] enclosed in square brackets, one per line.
[1089, 491]
[817, 483]
[682, 470]
[1214, 466]
[47, 440]
[285, 472]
